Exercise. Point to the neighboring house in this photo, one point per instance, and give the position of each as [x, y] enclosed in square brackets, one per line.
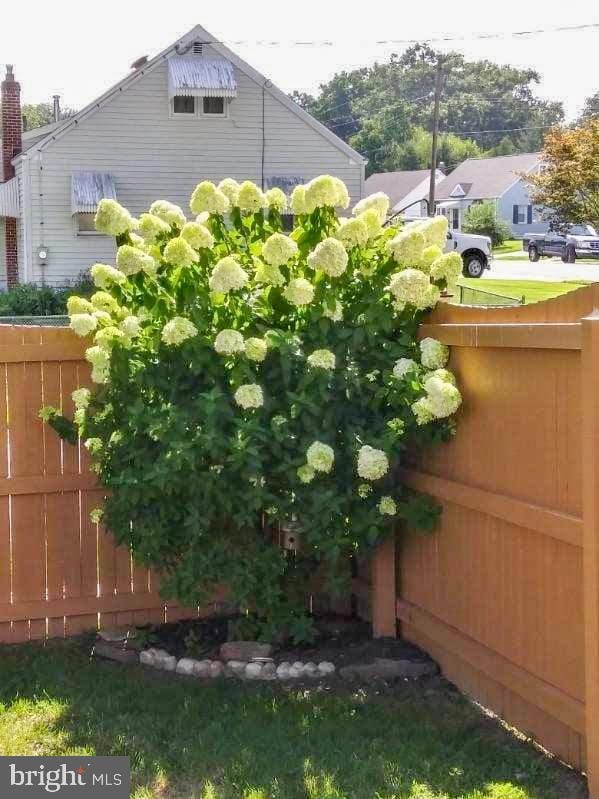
[406, 190]
[496, 180]
[195, 111]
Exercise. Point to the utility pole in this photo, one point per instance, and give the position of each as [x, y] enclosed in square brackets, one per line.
[439, 78]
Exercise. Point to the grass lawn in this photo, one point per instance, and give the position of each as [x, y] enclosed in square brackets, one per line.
[230, 740]
[531, 290]
[510, 245]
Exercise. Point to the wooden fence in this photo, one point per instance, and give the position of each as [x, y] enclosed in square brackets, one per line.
[505, 595]
[59, 573]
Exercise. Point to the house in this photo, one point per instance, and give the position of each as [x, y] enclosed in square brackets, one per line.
[194, 111]
[496, 180]
[407, 190]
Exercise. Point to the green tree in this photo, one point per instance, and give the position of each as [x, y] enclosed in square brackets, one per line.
[482, 219]
[590, 109]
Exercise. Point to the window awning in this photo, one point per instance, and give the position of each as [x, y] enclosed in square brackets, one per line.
[9, 199]
[200, 77]
[88, 188]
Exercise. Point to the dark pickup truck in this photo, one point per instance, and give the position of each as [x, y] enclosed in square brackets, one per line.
[580, 241]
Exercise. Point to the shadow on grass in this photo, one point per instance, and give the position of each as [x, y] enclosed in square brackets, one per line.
[228, 740]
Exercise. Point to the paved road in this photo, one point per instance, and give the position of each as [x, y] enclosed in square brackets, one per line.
[518, 267]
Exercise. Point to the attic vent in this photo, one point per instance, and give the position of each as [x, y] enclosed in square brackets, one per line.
[196, 48]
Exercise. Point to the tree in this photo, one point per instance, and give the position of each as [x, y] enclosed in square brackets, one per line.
[568, 185]
[379, 109]
[590, 109]
[482, 219]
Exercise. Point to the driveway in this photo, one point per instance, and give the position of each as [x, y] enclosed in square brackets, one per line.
[516, 266]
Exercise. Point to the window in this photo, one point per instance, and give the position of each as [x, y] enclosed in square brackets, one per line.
[86, 223]
[184, 105]
[214, 105]
[522, 215]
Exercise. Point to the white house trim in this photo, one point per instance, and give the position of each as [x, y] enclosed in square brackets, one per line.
[201, 33]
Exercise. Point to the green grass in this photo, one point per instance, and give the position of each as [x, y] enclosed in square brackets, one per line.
[531, 290]
[230, 740]
[510, 245]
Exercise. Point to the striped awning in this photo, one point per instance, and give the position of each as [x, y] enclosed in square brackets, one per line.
[9, 199]
[88, 188]
[200, 77]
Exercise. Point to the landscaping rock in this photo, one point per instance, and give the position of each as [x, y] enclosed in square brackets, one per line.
[294, 672]
[115, 652]
[310, 669]
[201, 668]
[147, 657]
[186, 666]
[386, 668]
[164, 661]
[116, 634]
[298, 665]
[253, 671]
[269, 672]
[244, 650]
[283, 670]
[235, 668]
[325, 667]
[217, 669]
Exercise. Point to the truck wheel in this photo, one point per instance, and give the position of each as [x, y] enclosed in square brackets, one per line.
[474, 265]
[533, 254]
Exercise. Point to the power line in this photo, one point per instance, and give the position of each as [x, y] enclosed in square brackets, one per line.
[419, 40]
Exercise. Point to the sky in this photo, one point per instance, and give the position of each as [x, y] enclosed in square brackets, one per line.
[79, 50]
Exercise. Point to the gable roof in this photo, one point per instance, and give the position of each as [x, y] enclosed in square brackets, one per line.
[397, 185]
[486, 178]
[201, 34]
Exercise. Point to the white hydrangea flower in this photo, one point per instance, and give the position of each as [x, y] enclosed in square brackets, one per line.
[81, 397]
[298, 201]
[352, 232]
[93, 445]
[228, 275]
[378, 202]
[168, 212]
[104, 276]
[79, 417]
[407, 247]
[422, 411]
[131, 260]
[429, 255]
[387, 506]
[433, 354]
[443, 397]
[343, 199]
[322, 191]
[108, 337]
[441, 374]
[330, 256]
[229, 342]
[306, 473]
[206, 197]
[151, 227]
[364, 490]
[96, 515]
[411, 286]
[131, 326]
[334, 314]
[278, 249]
[256, 349]
[178, 330]
[275, 198]
[197, 236]
[103, 301]
[372, 463]
[435, 231]
[179, 252]
[100, 361]
[230, 188]
[320, 457]
[322, 359]
[79, 305]
[112, 219]
[251, 197]
[83, 323]
[403, 366]
[371, 219]
[103, 318]
[447, 267]
[249, 395]
[268, 274]
[299, 291]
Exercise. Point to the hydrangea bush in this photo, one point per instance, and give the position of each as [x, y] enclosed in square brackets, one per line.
[249, 382]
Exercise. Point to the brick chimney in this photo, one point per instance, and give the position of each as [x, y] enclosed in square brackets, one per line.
[11, 145]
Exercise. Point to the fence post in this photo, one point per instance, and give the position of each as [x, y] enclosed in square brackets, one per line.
[590, 503]
[383, 590]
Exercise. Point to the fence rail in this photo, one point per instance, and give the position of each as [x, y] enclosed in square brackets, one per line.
[505, 595]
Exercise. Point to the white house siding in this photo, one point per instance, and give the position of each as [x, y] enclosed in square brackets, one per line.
[153, 156]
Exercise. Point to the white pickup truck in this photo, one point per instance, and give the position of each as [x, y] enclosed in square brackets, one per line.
[476, 251]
